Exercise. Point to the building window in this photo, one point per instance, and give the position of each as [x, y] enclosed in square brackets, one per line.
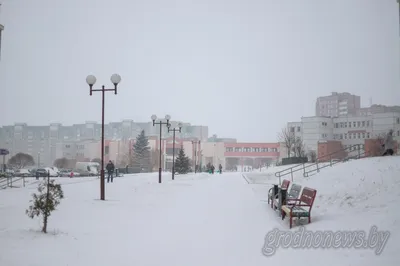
[398, 120]
[345, 136]
[298, 129]
[341, 136]
[398, 133]
[264, 149]
[367, 123]
[363, 123]
[367, 135]
[336, 125]
[363, 135]
[229, 149]
[256, 149]
[291, 129]
[354, 124]
[349, 124]
[237, 149]
[67, 146]
[358, 135]
[358, 124]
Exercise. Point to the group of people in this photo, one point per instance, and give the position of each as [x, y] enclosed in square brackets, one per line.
[211, 169]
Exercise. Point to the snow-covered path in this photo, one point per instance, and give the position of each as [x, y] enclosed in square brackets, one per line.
[217, 222]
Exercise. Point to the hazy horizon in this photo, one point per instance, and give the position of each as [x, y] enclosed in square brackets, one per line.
[244, 69]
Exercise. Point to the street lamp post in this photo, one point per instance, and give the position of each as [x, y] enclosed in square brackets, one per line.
[195, 154]
[154, 118]
[174, 130]
[91, 80]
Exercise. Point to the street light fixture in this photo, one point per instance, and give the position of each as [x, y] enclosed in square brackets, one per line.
[154, 118]
[195, 154]
[91, 80]
[174, 130]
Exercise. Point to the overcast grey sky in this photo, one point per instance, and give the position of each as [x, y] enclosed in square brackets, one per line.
[244, 68]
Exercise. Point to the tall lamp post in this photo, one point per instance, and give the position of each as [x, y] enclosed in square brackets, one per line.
[195, 154]
[174, 130]
[154, 118]
[91, 80]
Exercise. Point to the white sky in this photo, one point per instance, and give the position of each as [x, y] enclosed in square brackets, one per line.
[244, 68]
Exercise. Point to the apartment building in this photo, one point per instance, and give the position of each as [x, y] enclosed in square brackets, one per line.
[337, 104]
[311, 130]
[79, 140]
[349, 130]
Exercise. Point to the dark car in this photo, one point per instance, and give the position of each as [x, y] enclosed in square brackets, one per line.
[41, 172]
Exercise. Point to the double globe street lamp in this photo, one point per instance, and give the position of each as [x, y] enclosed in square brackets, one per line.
[91, 80]
[160, 123]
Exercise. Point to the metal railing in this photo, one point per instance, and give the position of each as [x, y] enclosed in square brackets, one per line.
[10, 180]
[321, 162]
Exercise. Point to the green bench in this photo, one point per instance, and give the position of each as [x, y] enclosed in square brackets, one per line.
[299, 208]
[292, 195]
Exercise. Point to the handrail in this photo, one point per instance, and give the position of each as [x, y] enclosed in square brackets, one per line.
[332, 163]
[302, 166]
[8, 181]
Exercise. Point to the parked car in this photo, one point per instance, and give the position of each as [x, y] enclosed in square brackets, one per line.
[22, 173]
[41, 172]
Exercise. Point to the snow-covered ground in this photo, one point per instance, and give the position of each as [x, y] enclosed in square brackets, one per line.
[199, 220]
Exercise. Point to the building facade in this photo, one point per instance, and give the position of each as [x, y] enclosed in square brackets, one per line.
[80, 141]
[337, 104]
[349, 130]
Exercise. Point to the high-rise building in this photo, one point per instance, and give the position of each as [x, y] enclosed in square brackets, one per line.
[337, 104]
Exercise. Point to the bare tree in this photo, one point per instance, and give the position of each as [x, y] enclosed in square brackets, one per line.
[288, 139]
[375, 147]
[312, 155]
[298, 148]
[61, 163]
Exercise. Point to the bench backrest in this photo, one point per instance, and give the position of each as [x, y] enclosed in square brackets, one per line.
[308, 196]
[285, 184]
[294, 191]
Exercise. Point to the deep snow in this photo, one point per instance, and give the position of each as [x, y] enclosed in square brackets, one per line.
[199, 219]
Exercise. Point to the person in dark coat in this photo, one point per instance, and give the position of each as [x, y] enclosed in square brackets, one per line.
[388, 144]
[110, 170]
[212, 169]
[220, 168]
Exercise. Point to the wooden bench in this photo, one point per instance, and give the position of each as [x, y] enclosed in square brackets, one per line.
[298, 208]
[292, 195]
[271, 197]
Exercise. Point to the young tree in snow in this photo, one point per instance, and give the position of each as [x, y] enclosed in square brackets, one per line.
[288, 139]
[21, 160]
[182, 162]
[45, 201]
[141, 152]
